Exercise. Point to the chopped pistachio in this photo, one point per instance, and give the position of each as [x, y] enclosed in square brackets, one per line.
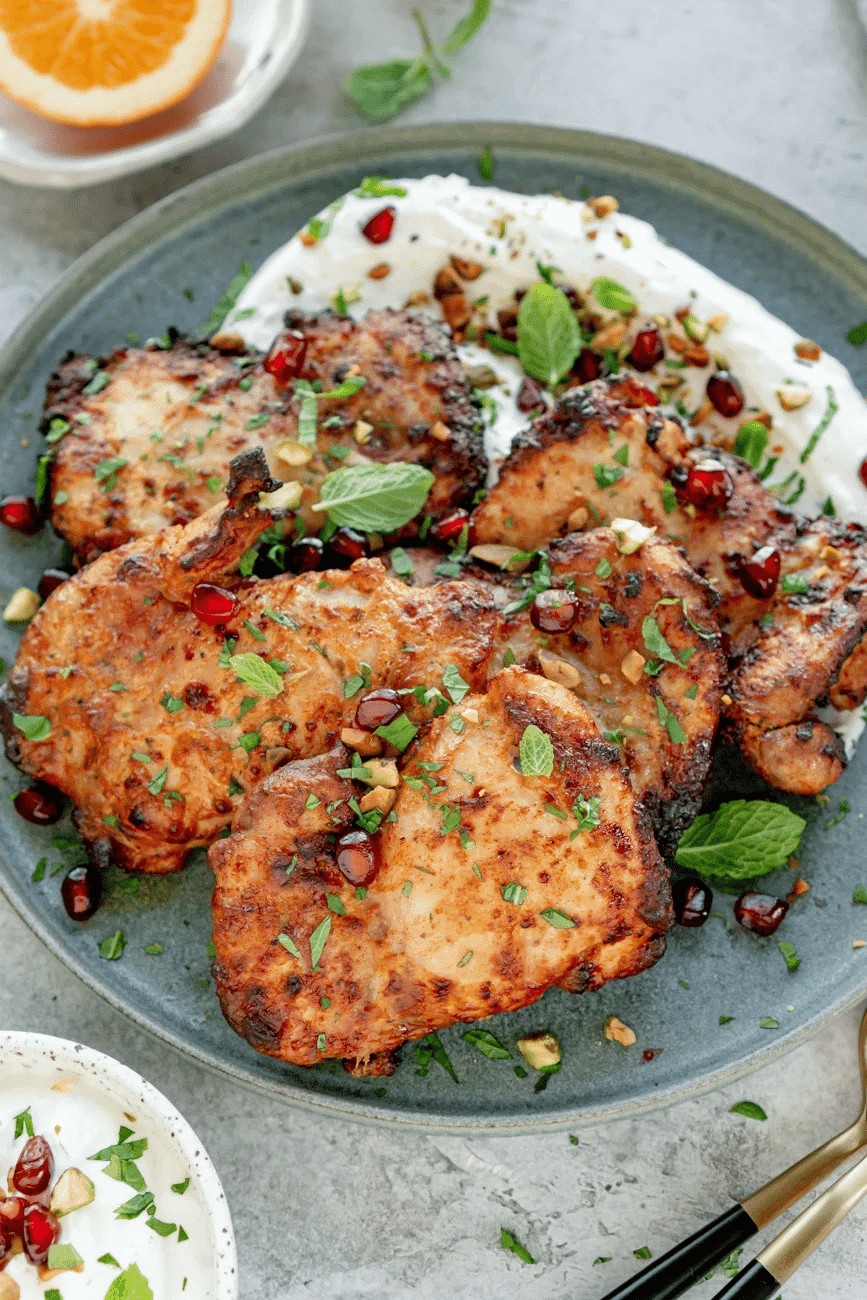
[792, 398]
[630, 535]
[72, 1191]
[540, 1051]
[22, 605]
[618, 1032]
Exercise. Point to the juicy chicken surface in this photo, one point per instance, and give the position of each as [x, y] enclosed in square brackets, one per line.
[433, 940]
[156, 733]
[153, 733]
[596, 457]
[151, 431]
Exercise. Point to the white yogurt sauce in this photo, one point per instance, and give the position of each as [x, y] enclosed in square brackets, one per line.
[78, 1119]
[510, 234]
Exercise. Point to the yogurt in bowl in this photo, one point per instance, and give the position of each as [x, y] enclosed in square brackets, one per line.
[147, 1216]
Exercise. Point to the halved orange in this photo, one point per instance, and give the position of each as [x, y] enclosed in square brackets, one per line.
[104, 62]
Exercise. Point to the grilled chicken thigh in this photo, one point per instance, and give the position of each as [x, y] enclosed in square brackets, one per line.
[794, 641]
[155, 732]
[151, 431]
[492, 885]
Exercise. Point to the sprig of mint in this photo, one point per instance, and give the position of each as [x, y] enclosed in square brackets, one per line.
[741, 840]
[510, 1242]
[381, 90]
[549, 339]
[375, 498]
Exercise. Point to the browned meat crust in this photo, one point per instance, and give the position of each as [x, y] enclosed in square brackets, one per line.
[153, 734]
[432, 941]
[152, 431]
[788, 653]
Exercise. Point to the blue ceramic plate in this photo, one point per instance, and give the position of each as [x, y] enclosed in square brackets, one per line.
[195, 239]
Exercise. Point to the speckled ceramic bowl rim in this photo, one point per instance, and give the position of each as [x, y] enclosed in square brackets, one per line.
[43, 1049]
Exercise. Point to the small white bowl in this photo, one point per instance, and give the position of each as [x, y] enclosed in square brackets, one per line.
[90, 1096]
[263, 41]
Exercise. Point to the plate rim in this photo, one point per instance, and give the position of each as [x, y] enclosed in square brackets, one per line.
[251, 178]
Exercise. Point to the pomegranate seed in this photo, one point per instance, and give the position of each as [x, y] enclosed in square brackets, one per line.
[34, 1167]
[692, 902]
[306, 555]
[725, 393]
[450, 527]
[346, 545]
[649, 1054]
[377, 709]
[40, 804]
[647, 349]
[12, 1216]
[553, 611]
[862, 471]
[41, 1230]
[22, 515]
[529, 396]
[356, 857]
[760, 913]
[759, 576]
[285, 361]
[81, 892]
[707, 485]
[380, 226]
[213, 605]
[51, 580]
[588, 366]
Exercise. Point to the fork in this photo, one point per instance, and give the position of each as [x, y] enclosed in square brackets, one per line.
[688, 1262]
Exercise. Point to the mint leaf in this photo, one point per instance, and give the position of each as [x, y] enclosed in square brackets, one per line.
[132, 1208]
[229, 298]
[508, 1242]
[455, 684]
[381, 90]
[24, 1123]
[559, 920]
[858, 334]
[536, 752]
[318, 939]
[34, 726]
[112, 948]
[750, 1109]
[254, 672]
[790, 957]
[289, 944]
[375, 498]
[830, 411]
[487, 1044]
[429, 1049]
[655, 643]
[400, 732]
[860, 894]
[730, 1265]
[130, 1285]
[612, 296]
[549, 339]
[464, 31]
[751, 442]
[375, 187]
[513, 893]
[742, 839]
[486, 164]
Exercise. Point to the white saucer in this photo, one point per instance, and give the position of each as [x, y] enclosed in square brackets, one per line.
[263, 41]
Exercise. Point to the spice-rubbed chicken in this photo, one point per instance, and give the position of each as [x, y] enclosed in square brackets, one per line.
[793, 592]
[489, 885]
[156, 727]
[149, 432]
[633, 634]
[171, 685]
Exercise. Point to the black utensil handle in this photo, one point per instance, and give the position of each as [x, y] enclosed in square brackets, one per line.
[674, 1272]
[752, 1283]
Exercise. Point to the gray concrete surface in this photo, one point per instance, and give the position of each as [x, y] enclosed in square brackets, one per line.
[775, 92]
